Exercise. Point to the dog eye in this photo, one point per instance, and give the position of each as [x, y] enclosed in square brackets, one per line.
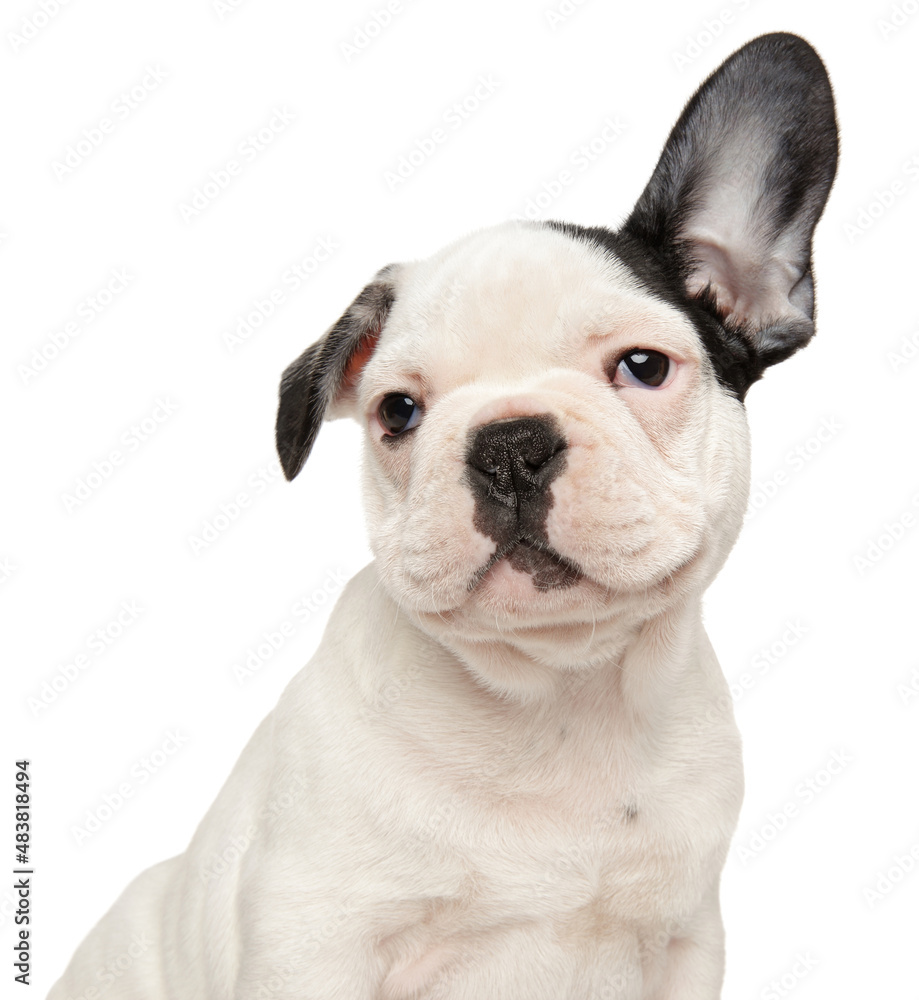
[398, 413]
[642, 367]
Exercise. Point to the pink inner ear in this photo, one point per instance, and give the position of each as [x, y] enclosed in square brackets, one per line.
[359, 358]
[751, 282]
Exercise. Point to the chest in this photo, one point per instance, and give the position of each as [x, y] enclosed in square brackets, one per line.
[553, 910]
[593, 828]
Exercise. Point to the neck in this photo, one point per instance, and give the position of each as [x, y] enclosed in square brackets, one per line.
[534, 665]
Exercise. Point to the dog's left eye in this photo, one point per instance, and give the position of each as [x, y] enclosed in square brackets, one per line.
[642, 367]
[398, 413]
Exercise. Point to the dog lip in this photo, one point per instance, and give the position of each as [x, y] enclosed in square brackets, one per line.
[570, 567]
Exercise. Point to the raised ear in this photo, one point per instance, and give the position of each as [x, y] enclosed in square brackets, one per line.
[326, 372]
[738, 190]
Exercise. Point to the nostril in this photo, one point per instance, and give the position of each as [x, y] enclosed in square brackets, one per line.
[537, 461]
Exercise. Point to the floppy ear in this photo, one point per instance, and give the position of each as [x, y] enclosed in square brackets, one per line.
[738, 190]
[326, 372]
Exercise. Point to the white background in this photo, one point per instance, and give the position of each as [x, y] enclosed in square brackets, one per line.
[841, 688]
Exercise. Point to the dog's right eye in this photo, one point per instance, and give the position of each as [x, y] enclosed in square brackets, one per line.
[398, 412]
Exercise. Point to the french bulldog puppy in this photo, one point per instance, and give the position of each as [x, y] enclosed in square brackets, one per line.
[511, 770]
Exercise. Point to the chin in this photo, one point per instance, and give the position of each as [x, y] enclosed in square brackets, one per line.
[505, 594]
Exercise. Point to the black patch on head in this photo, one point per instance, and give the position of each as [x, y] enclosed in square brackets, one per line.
[311, 383]
[733, 358]
[510, 465]
[723, 229]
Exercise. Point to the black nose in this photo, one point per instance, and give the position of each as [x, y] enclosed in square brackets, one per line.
[512, 462]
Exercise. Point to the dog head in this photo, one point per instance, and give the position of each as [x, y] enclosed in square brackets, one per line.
[556, 446]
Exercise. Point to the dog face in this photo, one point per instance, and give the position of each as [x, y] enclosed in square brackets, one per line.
[556, 446]
[565, 474]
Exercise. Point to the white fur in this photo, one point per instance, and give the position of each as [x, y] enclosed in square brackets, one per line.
[497, 792]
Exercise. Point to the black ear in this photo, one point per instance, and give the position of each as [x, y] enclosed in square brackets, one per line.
[326, 372]
[733, 202]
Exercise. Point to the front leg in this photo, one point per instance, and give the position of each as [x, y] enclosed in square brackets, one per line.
[285, 968]
[692, 962]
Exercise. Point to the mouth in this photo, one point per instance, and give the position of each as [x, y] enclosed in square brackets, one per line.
[548, 569]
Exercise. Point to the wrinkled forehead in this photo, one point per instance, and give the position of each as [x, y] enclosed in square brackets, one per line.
[518, 298]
